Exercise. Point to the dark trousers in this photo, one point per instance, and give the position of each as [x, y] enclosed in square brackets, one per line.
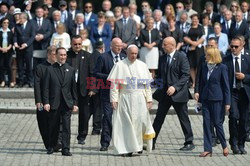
[96, 111]
[182, 113]
[24, 57]
[43, 125]
[214, 135]
[5, 66]
[83, 117]
[238, 117]
[64, 113]
[212, 112]
[106, 124]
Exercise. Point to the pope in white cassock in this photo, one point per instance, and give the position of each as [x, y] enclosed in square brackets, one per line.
[131, 100]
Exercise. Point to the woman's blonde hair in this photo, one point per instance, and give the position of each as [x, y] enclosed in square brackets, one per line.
[61, 27]
[214, 55]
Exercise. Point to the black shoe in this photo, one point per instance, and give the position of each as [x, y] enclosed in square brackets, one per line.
[248, 137]
[214, 143]
[66, 153]
[236, 150]
[30, 85]
[104, 148]
[96, 132]
[50, 151]
[140, 152]
[217, 141]
[127, 155]
[20, 85]
[242, 150]
[153, 147]
[57, 147]
[81, 141]
[187, 147]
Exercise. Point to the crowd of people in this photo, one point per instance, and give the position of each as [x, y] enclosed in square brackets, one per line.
[63, 51]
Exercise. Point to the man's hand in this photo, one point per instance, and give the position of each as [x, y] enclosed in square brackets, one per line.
[16, 45]
[75, 108]
[196, 96]
[91, 93]
[124, 45]
[170, 91]
[38, 105]
[47, 107]
[239, 76]
[149, 105]
[114, 105]
[227, 108]
[23, 46]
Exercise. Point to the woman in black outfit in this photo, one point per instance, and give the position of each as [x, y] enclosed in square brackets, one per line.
[6, 51]
[194, 38]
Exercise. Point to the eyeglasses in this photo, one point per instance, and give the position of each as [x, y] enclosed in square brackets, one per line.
[178, 7]
[72, 6]
[233, 46]
[5, 22]
[144, 5]
[88, 7]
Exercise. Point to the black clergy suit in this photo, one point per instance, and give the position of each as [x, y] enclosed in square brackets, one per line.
[60, 93]
[83, 64]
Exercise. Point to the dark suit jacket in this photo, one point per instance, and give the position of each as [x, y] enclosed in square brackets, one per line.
[56, 87]
[53, 29]
[177, 76]
[68, 22]
[25, 36]
[186, 27]
[85, 69]
[106, 35]
[39, 81]
[9, 40]
[177, 34]
[224, 28]
[128, 33]
[155, 37]
[92, 21]
[245, 68]
[216, 88]
[76, 12]
[45, 30]
[104, 64]
[73, 28]
[243, 30]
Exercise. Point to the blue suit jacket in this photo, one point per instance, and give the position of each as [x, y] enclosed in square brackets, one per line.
[216, 88]
[106, 35]
[92, 21]
[104, 64]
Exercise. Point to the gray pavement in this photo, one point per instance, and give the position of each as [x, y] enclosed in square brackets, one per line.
[21, 144]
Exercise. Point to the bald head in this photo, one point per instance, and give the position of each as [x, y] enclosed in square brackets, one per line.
[169, 44]
[116, 45]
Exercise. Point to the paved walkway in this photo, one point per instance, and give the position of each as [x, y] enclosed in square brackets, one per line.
[20, 144]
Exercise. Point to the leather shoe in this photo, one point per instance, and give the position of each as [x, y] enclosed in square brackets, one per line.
[104, 148]
[214, 143]
[50, 151]
[236, 150]
[187, 147]
[127, 155]
[66, 153]
[81, 141]
[153, 147]
[242, 150]
[248, 137]
[57, 147]
[96, 132]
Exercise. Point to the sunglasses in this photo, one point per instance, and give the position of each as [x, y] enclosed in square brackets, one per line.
[210, 46]
[233, 46]
[88, 7]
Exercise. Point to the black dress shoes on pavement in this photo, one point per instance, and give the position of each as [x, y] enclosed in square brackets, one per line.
[50, 151]
[96, 132]
[127, 155]
[66, 153]
[236, 150]
[242, 150]
[57, 147]
[187, 147]
[81, 141]
[104, 148]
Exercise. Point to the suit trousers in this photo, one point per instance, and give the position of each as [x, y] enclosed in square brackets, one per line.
[238, 117]
[182, 113]
[43, 125]
[24, 57]
[214, 135]
[83, 117]
[106, 124]
[5, 66]
[212, 112]
[96, 111]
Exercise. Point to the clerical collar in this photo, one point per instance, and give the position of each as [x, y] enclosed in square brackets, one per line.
[60, 64]
[49, 62]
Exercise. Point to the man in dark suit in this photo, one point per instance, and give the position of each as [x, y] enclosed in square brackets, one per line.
[228, 23]
[73, 9]
[89, 16]
[23, 41]
[66, 17]
[56, 20]
[246, 13]
[104, 64]
[42, 115]
[209, 9]
[174, 71]
[43, 32]
[125, 29]
[83, 64]
[60, 99]
[239, 80]
[51, 8]
[78, 25]
[240, 27]
[95, 101]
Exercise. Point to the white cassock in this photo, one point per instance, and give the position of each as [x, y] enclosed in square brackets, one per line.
[131, 121]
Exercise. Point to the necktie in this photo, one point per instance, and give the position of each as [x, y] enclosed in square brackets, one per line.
[124, 21]
[237, 26]
[149, 37]
[39, 22]
[78, 28]
[22, 27]
[227, 26]
[167, 64]
[116, 58]
[237, 69]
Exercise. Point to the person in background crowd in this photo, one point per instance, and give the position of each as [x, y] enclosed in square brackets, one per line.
[169, 10]
[24, 35]
[6, 51]
[228, 24]
[117, 12]
[28, 12]
[39, 76]
[149, 39]
[220, 17]
[86, 43]
[183, 25]
[209, 9]
[73, 9]
[56, 19]
[208, 29]
[144, 6]
[133, 13]
[46, 11]
[78, 25]
[234, 7]
[66, 17]
[179, 9]
[245, 10]
[51, 8]
[101, 32]
[60, 38]
[89, 16]
[111, 22]
[195, 38]
[106, 6]
[4, 13]
[189, 10]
